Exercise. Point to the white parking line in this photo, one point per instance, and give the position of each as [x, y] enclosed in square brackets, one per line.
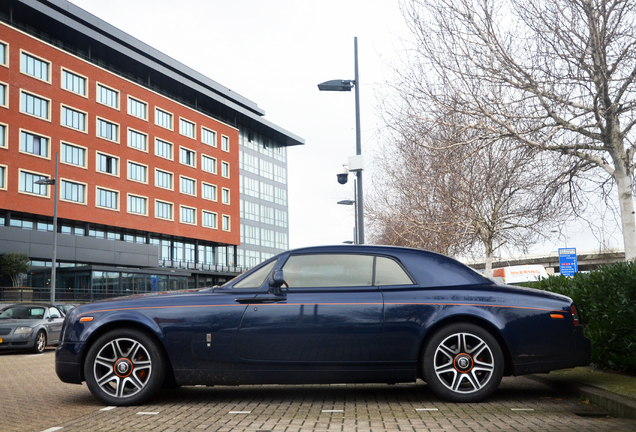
[53, 429]
[240, 412]
[147, 413]
[522, 409]
[426, 409]
[108, 408]
[327, 411]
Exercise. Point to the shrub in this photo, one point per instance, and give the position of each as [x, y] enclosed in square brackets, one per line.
[606, 299]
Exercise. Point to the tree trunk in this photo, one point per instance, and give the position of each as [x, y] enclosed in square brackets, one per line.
[626, 203]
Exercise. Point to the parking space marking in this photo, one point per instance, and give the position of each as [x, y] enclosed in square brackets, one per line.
[521, 409]
[240, 412]
[426, 409]
[108, 408]
[53, 429]
[147, 413]
[328, 411]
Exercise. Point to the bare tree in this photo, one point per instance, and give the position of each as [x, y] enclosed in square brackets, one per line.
[468, 199]
[555, 75]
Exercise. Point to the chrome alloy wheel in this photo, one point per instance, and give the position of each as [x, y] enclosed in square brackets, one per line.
[122, 368]
[464, 363]
[40, 342]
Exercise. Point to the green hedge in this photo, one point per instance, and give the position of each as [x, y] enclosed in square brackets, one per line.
[606, 299]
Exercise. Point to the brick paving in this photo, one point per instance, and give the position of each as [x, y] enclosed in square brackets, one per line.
[34, 400]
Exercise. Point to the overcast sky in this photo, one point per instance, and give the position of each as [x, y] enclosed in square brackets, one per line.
[275, 52]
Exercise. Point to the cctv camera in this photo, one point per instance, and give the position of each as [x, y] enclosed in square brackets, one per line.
[343, 175]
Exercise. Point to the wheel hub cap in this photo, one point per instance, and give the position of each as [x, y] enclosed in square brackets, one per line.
[123, 367]
[463, 363]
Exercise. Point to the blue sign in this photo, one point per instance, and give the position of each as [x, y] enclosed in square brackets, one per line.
[153, 283]
[567, 261]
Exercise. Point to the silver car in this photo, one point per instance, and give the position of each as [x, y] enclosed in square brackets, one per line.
[30, 327]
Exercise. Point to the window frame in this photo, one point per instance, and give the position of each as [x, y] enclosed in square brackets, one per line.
[223, 201]
[145, 198]
[171, 128]
[171, 188]
[4, 177]
[225, 138]
[6, 94]
[194, 128]
[97, 120]
[67, 70]
[128, 99]
[181, 207]
[213, 144]
[147, 174]
[117, 158]
[37, 96]
[6, 53]
[227, 218]
[216, 164]
[216, 191]
[225, 164]
[171, 210]
[216, 219]
[128, 131]
[49, 69]
[194, 186]
[66, 143]
[97, 95]
[62, 106]
[85, 197]
[115, 191]
[5, 138]
[171, 158]
[47, 176]
[48, 144]
[194, 158]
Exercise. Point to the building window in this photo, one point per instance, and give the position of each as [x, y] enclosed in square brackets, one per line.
[3, 135]
[137, 172]
[34, 105]
[73, 82]
[35, 67]
[163, 179]
[73, 119]
[280, 196]
[225, 143]
[209, 220]
[137, 140]
[4, 100]
[281, 218]
[188, 157]
[27, 183]
[107, 96]
[280, 174]
[163, 210]
[163, 118]
[71, 191]
[188, 215]
[137, 204]
[267, 238]
[208, 164]
[4, 50]
[267, 215]
[137, 108]
[225, 169]
[282, 241]
[163, 149]
[34, 144]
[226, 223]
[208, 191]
[208, 137]
[225, 196]
[107, 164]
[187, 128]
[107, 199]
[267, 192]
[73, 155]
[267, 169]
[3, 177]
[107, 130]
[188, 186]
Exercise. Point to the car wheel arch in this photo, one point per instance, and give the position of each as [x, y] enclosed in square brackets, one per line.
[126, 324]
[469, 319]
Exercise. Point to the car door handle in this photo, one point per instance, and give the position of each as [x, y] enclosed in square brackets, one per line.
[271, 299]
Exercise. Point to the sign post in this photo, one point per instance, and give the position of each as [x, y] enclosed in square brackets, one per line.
[568, 264]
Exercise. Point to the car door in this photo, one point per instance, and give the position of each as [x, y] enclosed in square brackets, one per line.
[329, 312]
[54, 321]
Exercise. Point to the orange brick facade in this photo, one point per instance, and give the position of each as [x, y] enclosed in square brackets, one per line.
[13, 159]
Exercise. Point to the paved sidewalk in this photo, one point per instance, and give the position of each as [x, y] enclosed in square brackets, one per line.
[615, 393]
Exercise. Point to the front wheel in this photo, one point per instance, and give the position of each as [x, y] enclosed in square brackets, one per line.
[40, 343]
[463, 363]
[124, 367]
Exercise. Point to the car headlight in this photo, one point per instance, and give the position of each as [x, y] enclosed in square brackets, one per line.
[23, 330]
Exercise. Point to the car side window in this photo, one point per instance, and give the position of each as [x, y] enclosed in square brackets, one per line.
[328, 270]
[256, 279]
[54, 313]
[389, 272]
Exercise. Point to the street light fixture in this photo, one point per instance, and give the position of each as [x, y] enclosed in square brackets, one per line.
[346, 85]
[53, 182]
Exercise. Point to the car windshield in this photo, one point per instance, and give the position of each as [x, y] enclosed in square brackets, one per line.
[23, 312]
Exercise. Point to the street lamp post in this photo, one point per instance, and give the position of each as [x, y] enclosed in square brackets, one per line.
[346, 85]
[53, 182]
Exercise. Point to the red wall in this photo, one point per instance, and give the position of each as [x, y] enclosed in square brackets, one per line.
[10, 156]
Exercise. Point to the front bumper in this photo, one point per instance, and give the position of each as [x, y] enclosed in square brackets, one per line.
[68, 365]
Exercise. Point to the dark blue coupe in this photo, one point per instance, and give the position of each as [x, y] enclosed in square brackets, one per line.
[333, 314]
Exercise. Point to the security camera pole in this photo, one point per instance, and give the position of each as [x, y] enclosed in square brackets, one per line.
[345, 85]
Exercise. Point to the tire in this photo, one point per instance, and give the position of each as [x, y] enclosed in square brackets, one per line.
[124, 367]
[463, 363]
[40, 343]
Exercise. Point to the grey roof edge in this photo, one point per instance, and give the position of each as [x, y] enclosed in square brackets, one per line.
[73, 16]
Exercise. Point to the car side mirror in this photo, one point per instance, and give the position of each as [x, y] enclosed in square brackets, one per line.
[276, 280]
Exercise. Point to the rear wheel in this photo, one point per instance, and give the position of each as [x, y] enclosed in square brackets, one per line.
[124, 367]
[463, 363]
[40, 343]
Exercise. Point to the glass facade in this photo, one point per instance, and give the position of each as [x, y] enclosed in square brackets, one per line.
[264, 209]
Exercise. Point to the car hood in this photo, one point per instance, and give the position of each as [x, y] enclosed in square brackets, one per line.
[20, 322]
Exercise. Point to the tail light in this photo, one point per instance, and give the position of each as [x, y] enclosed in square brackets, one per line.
[575, 316]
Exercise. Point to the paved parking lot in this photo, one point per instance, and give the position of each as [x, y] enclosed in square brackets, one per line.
[34, 400]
